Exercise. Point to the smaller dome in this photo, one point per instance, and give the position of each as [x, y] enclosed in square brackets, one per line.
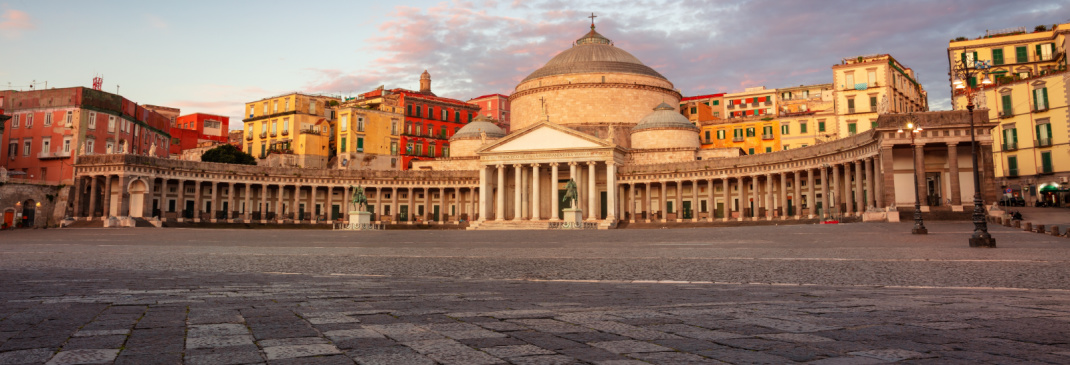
[664, 116]
[425, 75]
[480, 124]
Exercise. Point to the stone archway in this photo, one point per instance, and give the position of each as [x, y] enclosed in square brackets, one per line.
[137, 191]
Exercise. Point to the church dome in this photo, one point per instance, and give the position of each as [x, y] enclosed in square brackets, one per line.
[480, 124]
[664, 116]
[594, 54]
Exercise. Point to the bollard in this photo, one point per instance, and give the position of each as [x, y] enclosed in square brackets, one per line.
[1006, 222]
[1040, 228]
[1016, 224]
[1027, 226]
[1055, 231]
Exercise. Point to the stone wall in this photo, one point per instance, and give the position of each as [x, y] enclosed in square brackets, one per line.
[53, 200]
[470, 163]
[583, 99]
[665, 138]
[660, 156]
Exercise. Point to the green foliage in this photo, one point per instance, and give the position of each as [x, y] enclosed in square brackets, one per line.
[1040, 28]
[228, 154]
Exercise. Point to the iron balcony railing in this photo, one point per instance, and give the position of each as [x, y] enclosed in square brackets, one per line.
[767, 136]
[1043, 142]
[1010, 146]
[737, 139]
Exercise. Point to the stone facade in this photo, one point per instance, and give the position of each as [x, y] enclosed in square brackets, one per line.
[585, 99]
[45, 203]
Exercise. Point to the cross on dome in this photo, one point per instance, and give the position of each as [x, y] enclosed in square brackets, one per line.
[592, 20]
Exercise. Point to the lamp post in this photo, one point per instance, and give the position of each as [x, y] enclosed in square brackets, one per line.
[963, 71]
[914, 128]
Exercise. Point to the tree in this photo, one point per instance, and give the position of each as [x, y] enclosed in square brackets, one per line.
[228, 154]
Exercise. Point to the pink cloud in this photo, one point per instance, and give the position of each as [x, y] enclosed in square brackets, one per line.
[13, 22]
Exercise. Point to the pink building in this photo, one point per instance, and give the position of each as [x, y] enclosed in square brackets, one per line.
[495, 106]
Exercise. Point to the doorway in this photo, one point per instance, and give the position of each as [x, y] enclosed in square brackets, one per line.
[933, 189]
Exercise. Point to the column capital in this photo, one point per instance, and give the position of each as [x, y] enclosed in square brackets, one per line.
[611, 163]
[535, 165]
[592, 163]
[950, 144]
[518, 165]
[498, 166]
[573, 163]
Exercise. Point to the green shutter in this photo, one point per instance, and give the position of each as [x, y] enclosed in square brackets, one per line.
[768, 149]
[1045, 160]
[963, 57]
[750, 151]
[997, 56]
[1044, 93]
[1012, 164]
[716, 102]
[1006, 104]
[1020, 54]
[802, 128]
[1014, 135]
[343, 144]
[820, 126]
[975, 57]
[1038, 52]
[360, 143]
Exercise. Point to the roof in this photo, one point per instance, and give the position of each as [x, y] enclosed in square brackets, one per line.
[664, 116]
[699, 97]
[480, 124]
[489, 95]
[592, 54]
[417, 95]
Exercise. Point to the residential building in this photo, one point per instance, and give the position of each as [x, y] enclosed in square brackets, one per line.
[50, 128]
[1027, 105]
[702, 107]
[234, 138]
[170, 113]
[496, 107]
[295, 125]
[806, 113]
[430, 120]
[367, 138]
[867, 86]
[192, 130]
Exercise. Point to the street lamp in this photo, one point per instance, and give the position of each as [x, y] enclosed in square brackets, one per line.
[963, 71]
[914, 128]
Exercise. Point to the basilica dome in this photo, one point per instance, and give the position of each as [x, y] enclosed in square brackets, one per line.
[665, 127]
[593, 84]
[468, 139]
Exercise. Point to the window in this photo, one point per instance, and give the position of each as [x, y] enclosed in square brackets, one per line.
[111, 124]
[408, 110]
[29, 120]
[767, 131]
[286, 105]
[345, 143]
[419, 149]
[707, 136]
[850, 105]
[445, 151]
[802, 127]
[469, 117]
[872, 103]
[768, 149]
[1040, 98]
[274, 127]
[1045, 161]
[1044, 51]
[12, 149]
[394, 127]
[275, 107]
[750, 132]
[285, 125]
[850, 83]
[360, 124]
[46, 145]
[48, 119]
[1010, 139]
[852, 128]
[1012, 166]
[1007, 106]
[445, 114]
[785, 129]
[750, 151]
[785, 147]
[872, 78]
[969, 58]
[26, 146]
[265, 108]
[1020, 54]
[110, 147]
[92, 120]
[457, 116]
[419, 112]
[694, 110]
[431, 112]
[345, 124]
[360, 144]
[716, 102]
[393, 148]
[67, 144]
[720, 134]
[312, 107]
[15, 121]
[997, 56]
[89, 147]
[873, 125]
[408, 148]
[820, 126]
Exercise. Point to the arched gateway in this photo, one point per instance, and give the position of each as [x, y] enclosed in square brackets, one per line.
[594, 114]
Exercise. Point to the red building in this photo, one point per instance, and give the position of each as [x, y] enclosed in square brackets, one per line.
[190, 130]
[494, 106]
[50, 128]
[430, 120]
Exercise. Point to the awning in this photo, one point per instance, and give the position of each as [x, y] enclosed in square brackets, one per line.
[1049, 188]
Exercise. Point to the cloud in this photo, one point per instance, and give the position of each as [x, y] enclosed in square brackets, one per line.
[156, 22]
[478, 48]
[225, 100]
[13, 22]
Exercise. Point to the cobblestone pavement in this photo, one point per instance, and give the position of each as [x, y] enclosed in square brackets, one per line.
[847, 294]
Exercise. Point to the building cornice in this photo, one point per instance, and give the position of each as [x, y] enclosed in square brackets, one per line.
[607, 85]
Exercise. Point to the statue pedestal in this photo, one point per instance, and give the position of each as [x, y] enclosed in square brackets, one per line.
[360, 220]
[573, 219]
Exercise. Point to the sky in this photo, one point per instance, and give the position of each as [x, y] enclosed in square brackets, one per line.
[214, 56]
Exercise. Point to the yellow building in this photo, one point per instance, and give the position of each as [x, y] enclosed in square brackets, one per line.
[367, 138]
[296, 125]
[751, 134]
[805, 112]
[1027, 101]
[866, 86]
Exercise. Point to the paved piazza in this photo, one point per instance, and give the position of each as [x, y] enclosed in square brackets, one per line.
[826, 294]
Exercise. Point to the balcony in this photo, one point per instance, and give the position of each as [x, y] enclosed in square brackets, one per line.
[249, 137]
[273, 134]
[737, 139]
[1006, 114]
[1043, 142]
[285, 132]
[850, 110]
[1010, 146]
[1047, 170]
[315, 131]
[731, 106]
[53, 155]
[263, 134]
[767, 137]
[1011, 172]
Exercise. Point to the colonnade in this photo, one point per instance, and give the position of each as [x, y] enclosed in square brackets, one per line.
[803, 193]
[530, 183]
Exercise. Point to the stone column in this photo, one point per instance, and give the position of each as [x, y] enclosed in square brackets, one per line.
[296, 205]
[554, 200]
[536, 192]
[647, 202]
[711, 204]
[725, 185]
[124, 196]
[163, 196]
[94, 195]
[261, 202]
[428, 208]
[664, 199]
[215, 202]
[886, 180]
[870, 203]
[412, 206]
[953, 164]
[523, 187]
[592, 190]
[328, 203]
[611, 191]
[278, 203]
[197, 206]
[180, 205]
[679, 200]
[756, 195]
[499, 213]
[767, 201]
[796, 196]
[859, 190]
[695, 206]
[248, 203]
[107, 197]
[783, 203]
[484, 181]
[742, 206]
[836, 190]
[630, 205]
[443, 208]
[146, 203]
[394, 199]
[79, 189]
[518, 190]
[919, 168]
[812, 182]
[825, 188]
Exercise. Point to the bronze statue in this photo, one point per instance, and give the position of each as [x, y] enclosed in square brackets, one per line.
[359, 200]
[570, 194]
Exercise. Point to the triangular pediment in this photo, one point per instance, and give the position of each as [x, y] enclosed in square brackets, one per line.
[546, 136]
